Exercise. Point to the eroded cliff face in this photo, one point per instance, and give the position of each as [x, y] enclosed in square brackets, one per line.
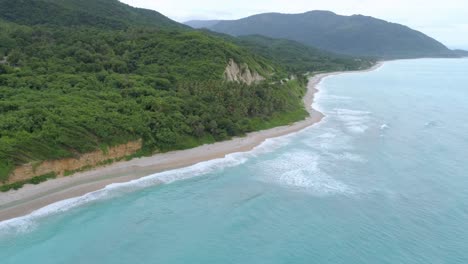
[59, 167]
[241, 73]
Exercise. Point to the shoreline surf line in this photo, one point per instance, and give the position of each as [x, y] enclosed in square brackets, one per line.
[30, 198]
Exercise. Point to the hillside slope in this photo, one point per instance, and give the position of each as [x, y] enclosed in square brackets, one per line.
[69, 91]
[299, 58]
[353, 35]
[66, 92]
[293, 57]
[199, 24]
[71, 86]
[96, 13]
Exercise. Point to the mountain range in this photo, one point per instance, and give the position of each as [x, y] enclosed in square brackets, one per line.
[355, 35]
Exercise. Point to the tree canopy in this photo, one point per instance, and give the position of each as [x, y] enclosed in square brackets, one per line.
[69, 87]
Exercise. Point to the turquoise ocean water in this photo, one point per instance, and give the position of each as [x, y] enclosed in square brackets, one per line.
[383, 179]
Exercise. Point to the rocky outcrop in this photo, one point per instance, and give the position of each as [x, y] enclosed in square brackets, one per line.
[60, 167]
[241, 73]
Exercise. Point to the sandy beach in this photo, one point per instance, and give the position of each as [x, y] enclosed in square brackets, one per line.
[32, 197]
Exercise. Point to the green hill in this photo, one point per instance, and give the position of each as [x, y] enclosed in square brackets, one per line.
[293, 57]
[355, 35]
[69, 85]
[96, 13]
[200, 24]
[299, 58]
[67, 92]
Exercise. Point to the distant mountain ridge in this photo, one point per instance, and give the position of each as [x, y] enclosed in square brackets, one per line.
[198, 24]
[299, 58]
[355, 35]
[460, 52]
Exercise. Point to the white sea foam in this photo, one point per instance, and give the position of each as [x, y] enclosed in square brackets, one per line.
[317, 183]
[347, 156]
[300, 169]
[355, 121]
[331, 140]
[319, 100]
[335, 98]
[324, 98]
[350, 112]
[310, 178]
[28, 222]
[327, 135]
[431, 124]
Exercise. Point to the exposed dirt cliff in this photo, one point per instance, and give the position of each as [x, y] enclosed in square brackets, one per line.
[59, 167]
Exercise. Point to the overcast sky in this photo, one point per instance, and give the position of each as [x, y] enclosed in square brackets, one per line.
[445, 20]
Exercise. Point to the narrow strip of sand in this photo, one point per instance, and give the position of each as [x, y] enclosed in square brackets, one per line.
[32, 197]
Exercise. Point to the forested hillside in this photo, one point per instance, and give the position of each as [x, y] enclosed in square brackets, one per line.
[299, 58]
[293, 57]
[67, 93]
[68, 90]
[96, 13]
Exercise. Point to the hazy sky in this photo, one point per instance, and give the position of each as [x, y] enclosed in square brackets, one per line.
[445, 20]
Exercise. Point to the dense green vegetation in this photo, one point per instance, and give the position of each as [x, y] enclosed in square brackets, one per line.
[299, 58]
[96, 13]
[353, 35]
[295, 58]
[69, 87]
[64, 93]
